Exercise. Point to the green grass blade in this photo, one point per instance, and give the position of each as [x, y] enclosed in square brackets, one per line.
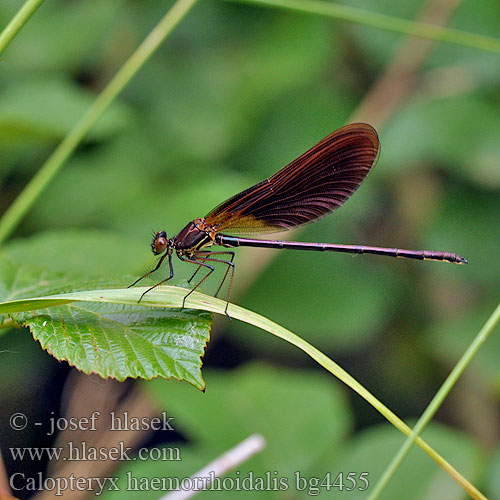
[169, 296]
[17, 22]
[436, 402]
[56, 160]
[382, 21]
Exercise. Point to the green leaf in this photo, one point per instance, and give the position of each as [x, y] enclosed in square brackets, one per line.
[458, 133]
[124, 341]
[83, 252]
[111, 339]
[283, 52]
[18, 280]
[46, 108]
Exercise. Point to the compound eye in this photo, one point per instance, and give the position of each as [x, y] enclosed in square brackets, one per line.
[160, 242]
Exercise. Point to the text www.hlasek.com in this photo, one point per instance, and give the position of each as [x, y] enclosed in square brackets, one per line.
[82, 452]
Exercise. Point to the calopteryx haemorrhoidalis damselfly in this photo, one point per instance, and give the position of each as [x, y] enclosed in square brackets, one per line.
[307, 189]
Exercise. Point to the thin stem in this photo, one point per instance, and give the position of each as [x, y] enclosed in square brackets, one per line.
[436, 402]
[54, 163]
[385, 22]
[17, 22]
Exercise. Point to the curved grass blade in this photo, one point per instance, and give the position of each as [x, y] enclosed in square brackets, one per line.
[172, 297]
[117, 339]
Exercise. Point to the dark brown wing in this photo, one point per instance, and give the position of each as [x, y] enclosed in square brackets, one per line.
[308, 188]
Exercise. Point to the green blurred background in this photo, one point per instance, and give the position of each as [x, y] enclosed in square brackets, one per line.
[235, 93]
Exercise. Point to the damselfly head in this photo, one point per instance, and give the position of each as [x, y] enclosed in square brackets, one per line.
[160, 242]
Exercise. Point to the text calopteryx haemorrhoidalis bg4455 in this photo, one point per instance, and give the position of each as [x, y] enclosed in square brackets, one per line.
[305, 190]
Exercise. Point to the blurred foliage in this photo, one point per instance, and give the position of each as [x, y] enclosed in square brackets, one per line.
[308, 420]
[234, 94]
